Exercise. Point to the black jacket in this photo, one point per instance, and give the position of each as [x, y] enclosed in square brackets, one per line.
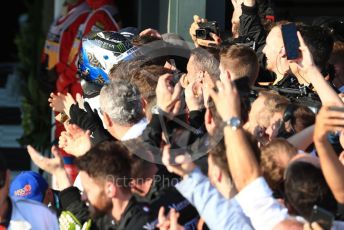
[135, 216]
[251, 27]
[163, 193]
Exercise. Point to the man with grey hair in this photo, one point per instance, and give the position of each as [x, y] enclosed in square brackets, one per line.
[122, 110]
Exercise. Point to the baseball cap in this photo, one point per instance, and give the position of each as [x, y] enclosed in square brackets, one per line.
[29, 185]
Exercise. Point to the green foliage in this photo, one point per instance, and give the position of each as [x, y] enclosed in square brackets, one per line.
[35, 110]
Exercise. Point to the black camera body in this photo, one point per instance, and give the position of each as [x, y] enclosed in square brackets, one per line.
[205, 28]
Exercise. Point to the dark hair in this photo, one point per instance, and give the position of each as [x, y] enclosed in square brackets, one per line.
[320, 43]
[125, 69]
[207, 59]
[107, 160]
[295, 119]
[146, 80]
[142, 40]
[140, 168]
[241, 60]
[305, 186]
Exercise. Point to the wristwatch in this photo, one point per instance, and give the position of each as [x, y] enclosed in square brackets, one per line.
[234, 123]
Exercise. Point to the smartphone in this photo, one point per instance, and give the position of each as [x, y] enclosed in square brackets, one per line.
[176, 73]
[291, 41]
[323, 217]
[336, 108]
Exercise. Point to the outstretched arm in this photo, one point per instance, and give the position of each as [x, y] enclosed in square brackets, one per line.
[241, 161]
[330, 121]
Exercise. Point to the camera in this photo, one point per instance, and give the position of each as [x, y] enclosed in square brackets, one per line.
[205, 28]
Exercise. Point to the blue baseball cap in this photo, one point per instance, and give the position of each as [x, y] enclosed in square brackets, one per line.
[29, 185]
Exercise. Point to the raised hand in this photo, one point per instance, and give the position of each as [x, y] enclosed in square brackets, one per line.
[182, 165]
[169, 222]
[50, 165]
[328, 120]
[201, 42]
[305, 62]
[56, 102]
[53, 166]
[168, 96]
[226, 99]
[75, 140]
[194, 95]
[151, 32]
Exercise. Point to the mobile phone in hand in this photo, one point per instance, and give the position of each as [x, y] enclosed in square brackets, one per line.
[323, 217]
[291, 41]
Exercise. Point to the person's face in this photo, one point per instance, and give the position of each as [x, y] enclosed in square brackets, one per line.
[258, 120]
[275, 124]
[272, 49]
[192, 70]
[94, 194]
[256, 108]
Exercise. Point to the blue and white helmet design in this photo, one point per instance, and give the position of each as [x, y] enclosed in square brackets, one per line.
[99, 52]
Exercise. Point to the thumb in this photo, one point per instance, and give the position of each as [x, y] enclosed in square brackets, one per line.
[161, 216]
[32, 151]
[55, 151]
[196, 18]
[78, 97]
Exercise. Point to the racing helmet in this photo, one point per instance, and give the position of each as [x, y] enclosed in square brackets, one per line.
[99, 52]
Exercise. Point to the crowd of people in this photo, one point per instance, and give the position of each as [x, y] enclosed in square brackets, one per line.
[231, 134]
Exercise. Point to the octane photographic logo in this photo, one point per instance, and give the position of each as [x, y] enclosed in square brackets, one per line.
[184, 138]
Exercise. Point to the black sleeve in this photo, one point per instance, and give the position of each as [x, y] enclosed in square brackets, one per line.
[196, 119]
[70, 199]
[89, 120]
[250, 26]
[152, 133]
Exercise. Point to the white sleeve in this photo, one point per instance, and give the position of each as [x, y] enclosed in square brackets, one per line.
[257, 203]
[217, 212]
[337, 225]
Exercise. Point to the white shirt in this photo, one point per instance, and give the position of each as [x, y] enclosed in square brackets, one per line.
[29, 214]
[135, 130]
[258, 204]
[217, 211]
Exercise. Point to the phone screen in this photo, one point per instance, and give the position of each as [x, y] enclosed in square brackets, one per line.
[291, 41]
